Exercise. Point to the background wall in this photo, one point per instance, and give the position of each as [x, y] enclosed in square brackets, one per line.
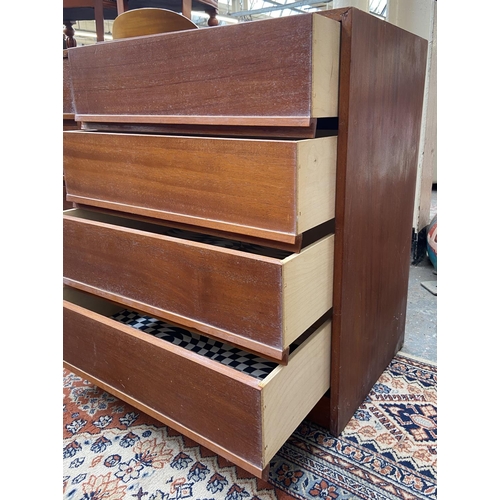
[419, 17]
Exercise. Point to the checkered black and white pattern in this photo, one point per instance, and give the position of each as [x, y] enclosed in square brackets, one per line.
[204, 346]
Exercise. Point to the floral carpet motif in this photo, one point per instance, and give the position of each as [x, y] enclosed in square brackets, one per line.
[112, 451]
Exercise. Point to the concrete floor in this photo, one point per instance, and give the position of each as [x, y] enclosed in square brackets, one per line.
[421, 315]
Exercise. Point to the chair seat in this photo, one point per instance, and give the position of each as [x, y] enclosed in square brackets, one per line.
[99, 10]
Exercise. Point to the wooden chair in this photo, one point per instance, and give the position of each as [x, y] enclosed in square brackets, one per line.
[184, 6]
[82, 10]
[149, 21]
[86, 10]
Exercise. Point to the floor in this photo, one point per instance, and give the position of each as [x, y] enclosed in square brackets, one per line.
[421, 316]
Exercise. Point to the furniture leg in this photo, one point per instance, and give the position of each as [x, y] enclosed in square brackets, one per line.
[99, 20]
[69, 33]
[186, 8]
[121, 6]
[212, 12]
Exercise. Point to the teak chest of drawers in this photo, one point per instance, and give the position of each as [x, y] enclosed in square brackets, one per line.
[254, 205]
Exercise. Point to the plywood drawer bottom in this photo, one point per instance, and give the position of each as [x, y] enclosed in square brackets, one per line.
[245, 419]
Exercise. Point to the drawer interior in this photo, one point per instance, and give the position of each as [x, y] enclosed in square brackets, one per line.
[245, 418]
[259, 298]
[226, 354]
[182, 234]
[206, 347]
[269, 189]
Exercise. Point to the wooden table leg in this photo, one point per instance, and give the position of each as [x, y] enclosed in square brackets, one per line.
[186, 8]
[99, 20]
[69, 33]
[212, 12]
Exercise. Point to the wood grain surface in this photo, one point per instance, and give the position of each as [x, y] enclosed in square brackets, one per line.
[275, 131]
[267, 83]
[233, 295]
[171, 380]
[172, 383]
[290, 392]
[264, 188]
[382, 72]
[68, 108]
[164, 78]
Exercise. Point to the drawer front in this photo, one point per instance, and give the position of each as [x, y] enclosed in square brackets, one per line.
[244, 419]
[258, 302]
[68, 109]
[287, 75]
[268, 189]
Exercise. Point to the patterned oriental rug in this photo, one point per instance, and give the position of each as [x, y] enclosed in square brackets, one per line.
[112, 451]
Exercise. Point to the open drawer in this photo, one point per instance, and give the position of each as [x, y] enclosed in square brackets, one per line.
[258, 298]
[281, 73]
[244, 419]
[271, 189]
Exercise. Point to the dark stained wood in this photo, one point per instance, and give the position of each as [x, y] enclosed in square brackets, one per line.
[212, 16]
[294, 245]
[255, 188]
[173, 384]
[67, 87]
[180, 385]
[243, 186]
[228, 294]
[156, 76]
[203, 120]
[382, 73]
[263, 87]
[66, 204]
[69, 123]
[236, 130]
[320, 414]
